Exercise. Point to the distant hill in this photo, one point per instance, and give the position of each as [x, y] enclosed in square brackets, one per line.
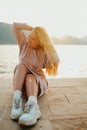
[6, 34]
[7, 37]
[69, 40]
[84, 38]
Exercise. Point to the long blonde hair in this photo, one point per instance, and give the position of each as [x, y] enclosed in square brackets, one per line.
[49, 49]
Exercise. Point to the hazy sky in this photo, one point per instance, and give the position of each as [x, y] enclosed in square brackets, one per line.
[59, 17]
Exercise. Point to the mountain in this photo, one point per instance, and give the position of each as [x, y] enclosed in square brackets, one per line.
[84, 38]
[69, 40]
[7, 37]
[6, 34]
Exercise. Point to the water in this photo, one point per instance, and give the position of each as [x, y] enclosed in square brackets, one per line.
[73, 60]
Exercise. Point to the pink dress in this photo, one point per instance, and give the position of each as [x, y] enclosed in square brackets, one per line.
[35, 61]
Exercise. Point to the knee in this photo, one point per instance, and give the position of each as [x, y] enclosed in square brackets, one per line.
[30, 78]
[22, 66]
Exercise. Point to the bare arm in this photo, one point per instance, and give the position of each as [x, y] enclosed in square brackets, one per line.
[18, 27]
[22, 26]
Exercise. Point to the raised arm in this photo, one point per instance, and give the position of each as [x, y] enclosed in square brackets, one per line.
[18, 27]
[22, 26]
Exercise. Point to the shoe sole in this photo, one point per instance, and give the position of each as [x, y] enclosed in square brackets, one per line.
[30, 123]
[14, 118]
[27, 124]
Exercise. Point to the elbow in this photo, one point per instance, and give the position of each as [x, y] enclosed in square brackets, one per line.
[14, 24]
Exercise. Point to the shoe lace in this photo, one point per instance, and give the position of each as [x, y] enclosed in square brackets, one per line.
[17, 103]
[28, 107]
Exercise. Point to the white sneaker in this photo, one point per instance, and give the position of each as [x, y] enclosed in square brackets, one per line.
[16, 109]
[30, 115]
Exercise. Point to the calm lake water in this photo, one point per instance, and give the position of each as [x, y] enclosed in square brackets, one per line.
[73, 60]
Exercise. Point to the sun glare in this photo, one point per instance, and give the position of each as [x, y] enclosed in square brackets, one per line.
[60, 17]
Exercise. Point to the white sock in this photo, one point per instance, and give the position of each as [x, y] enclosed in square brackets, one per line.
[32, 98]
[17, 94]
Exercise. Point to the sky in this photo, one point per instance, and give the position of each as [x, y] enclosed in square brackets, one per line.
[59, 17]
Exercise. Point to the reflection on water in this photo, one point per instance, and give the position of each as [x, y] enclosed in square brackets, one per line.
[73, 60]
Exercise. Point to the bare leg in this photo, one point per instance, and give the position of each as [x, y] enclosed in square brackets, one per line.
[32, 111]
[31, 86]
[18, 82]
[19, 77]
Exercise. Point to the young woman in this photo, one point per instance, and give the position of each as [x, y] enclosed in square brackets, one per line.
[36, 52]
